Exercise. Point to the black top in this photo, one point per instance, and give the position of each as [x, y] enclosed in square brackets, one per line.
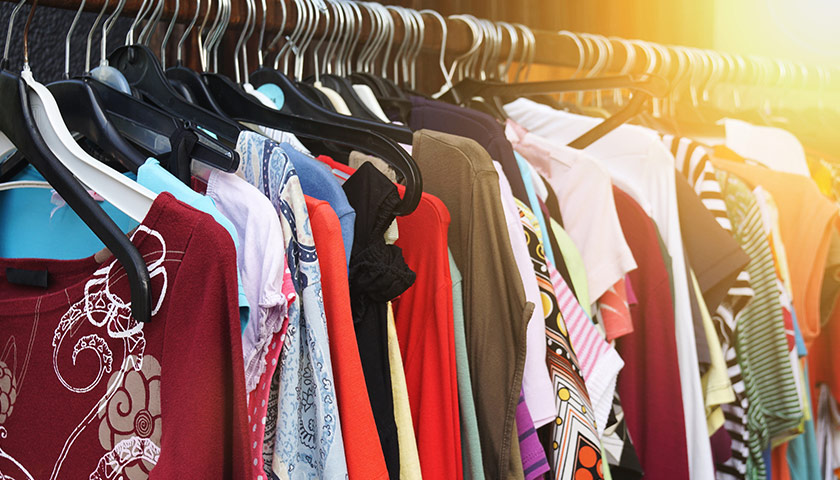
[712, 252]
[378, 274]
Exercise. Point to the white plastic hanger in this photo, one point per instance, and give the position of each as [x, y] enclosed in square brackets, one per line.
[127, 195]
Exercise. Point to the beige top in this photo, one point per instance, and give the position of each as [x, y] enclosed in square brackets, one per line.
[460, 172]
[409, 456]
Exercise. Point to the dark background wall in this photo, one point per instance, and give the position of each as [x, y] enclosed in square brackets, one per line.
[46, 39]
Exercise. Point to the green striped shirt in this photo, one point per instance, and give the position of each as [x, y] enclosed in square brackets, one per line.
[760, 340]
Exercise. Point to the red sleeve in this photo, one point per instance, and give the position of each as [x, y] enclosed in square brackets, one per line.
[358, 427]
[202, 376]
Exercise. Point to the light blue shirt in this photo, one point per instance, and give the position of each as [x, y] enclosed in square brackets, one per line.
[32, 226]
[157, 179]
[34, 223]
[525, 171]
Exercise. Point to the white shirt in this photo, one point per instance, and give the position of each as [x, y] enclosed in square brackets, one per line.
[771, 146]
[636, 157]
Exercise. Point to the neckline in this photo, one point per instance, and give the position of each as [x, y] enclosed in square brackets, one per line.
[66, 297]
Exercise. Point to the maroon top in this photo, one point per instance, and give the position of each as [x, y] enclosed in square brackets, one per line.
[88, 392]
[649, 384]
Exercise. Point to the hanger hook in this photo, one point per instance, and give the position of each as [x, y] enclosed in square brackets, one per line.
[67, 39]
[332, 44]
[581, 50]
[532, 49]
[201, 38]
[9, 33]
[252, 23]
[179, 56]
[447, 78]
[283, 17]
[291, 39]
[107, 25]
[398, 55]
[318, 8]
[358, 19]
[261, 39]
[420, 35]
[514, 45]
[210, 36]
[90, 35]
[408, 43]
[478, 61]
[141, 13]
[316, 60]
[629, 62]
[26, 35]
[373, 35]
[526, 47]
[151, 24]
[475, 64]
[495, 57]
[168, 33]
[223, 26]
[240, 41]
[418, 30]
[600, 56]
[491, 46]
[347, 24]
[214, 35]
[476, 43]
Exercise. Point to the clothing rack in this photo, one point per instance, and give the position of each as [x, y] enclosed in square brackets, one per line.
[559, 49]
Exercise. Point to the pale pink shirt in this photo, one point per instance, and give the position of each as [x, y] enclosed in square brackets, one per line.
[262, 262]
[584, 193]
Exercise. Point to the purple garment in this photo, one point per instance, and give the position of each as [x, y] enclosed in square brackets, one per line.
[721, 446]
[534, 460]
[469, 123]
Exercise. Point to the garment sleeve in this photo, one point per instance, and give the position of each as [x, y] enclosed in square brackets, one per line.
[202, 379]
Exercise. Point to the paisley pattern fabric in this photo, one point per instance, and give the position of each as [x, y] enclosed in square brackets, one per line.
[307, 442]
[575, 450]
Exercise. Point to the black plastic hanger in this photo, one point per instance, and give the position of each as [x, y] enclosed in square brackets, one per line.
[19, 126]
[393, 100]
[144, 72]
[237, 104]
[191, 80]
[182, 90]
[82, 111]
[150, 127]
[298, 104]
[349, 95]
[644, 88]
[316, 96]
[367, 79]
[387, 86]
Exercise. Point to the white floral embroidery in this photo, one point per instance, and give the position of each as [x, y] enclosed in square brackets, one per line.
[104, 309]
[126, 453]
